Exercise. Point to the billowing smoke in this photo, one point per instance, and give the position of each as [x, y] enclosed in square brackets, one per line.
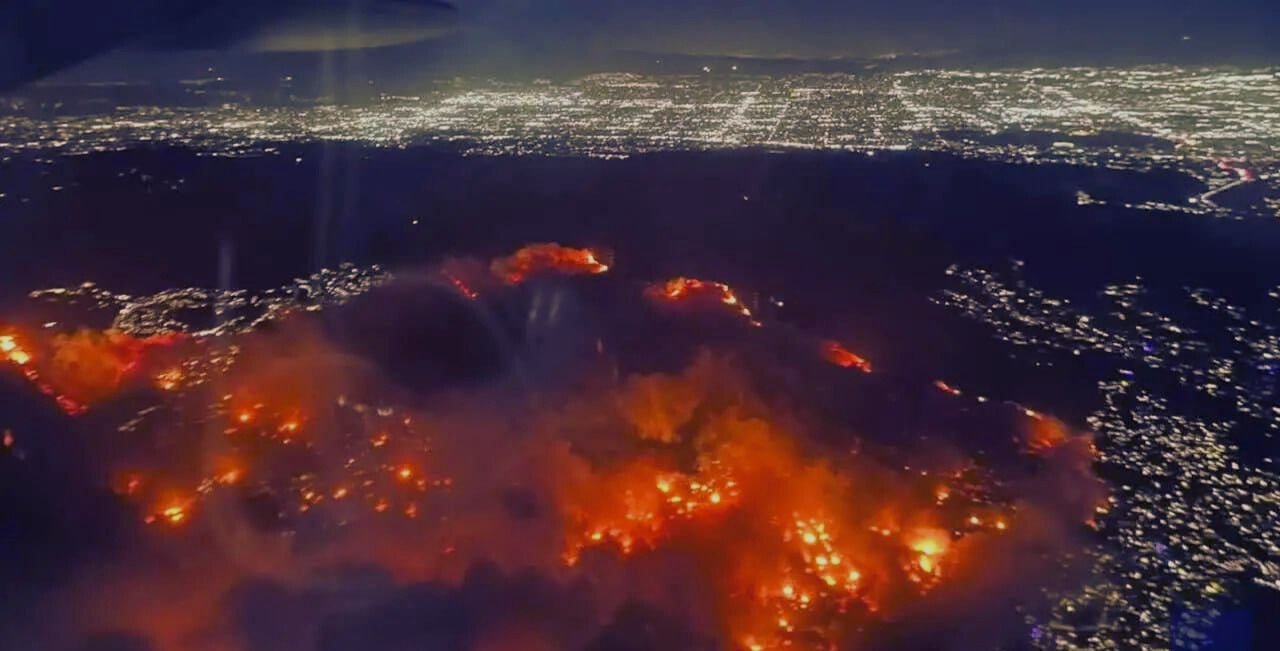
[542, 453]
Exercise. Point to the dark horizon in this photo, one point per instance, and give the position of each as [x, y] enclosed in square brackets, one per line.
[75, 39]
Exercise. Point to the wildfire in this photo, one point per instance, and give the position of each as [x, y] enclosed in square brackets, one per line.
[82, 367]
[460, 285]
[929, 544]
[173, 512]
[89, 366]
[681, 289]
[790, 540]
[798, 546]
[261, 433]
[169, 379]
[1046, 434]
[837, 354]
[641, 503]
[946, 388]
[12, 351]
[544, 257]
[16, 354]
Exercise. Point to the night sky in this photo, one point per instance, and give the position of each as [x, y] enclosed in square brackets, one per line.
[520, 36]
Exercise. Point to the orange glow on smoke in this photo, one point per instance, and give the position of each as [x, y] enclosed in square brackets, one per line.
[16, 353]
[930, 544]
[89, 366]
[798, 547]
[787, 539]
[546, 257]
[692, 290]
[83, 367]
[172, 512]
[265, 421]
[1046, 434]
[837, 354]
[795, 547]
[227, 471]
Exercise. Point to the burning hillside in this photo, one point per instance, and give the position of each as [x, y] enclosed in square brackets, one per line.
[697, 490]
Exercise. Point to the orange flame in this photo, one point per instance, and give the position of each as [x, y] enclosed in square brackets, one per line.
[15, 353]
[798, 547]
[82, 367]
[682, 289]
[788, 538]
[837, 354]
[1045, 434]
[946, 388]
[546, 257]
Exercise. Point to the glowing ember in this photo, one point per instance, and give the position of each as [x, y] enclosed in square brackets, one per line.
[173, 514]
[543, 258]
[169, 380]
[260, 435]
[127, 484]
[946, 388]
[12, 351]
[461, 286]
[841, 356]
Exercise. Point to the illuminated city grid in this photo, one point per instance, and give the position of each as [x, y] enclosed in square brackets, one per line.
[1191, 518]
[1219, 124]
